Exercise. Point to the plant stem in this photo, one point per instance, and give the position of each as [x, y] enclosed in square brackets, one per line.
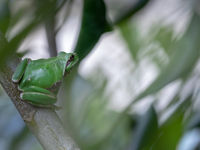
[50, 34]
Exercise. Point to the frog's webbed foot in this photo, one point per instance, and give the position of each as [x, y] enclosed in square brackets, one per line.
[38, 96]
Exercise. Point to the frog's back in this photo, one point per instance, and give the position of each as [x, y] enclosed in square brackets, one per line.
[43, 72]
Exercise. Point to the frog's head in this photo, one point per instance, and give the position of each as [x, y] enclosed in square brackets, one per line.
[71, 59]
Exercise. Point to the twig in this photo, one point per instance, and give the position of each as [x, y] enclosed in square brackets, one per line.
[66, 16]
[51, 35]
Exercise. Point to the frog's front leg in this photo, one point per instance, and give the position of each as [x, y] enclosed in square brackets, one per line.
[38, 96]
[20, 70]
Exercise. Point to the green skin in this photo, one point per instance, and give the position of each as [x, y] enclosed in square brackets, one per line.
[36, 77]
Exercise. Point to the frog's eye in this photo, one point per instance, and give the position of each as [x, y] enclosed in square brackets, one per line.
[71, 57]
[70, 60]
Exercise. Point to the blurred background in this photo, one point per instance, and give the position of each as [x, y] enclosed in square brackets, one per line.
[137, 84]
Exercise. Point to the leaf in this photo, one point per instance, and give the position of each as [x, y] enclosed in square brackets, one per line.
[94, 24]
[3, 41]
[182, 62]
[40, 15]
[194, 121]
[3, 45]
[165, 37]
[125, 15]
[185, 56]
[4, 15]
[130, 35]
[7, 48]
[146, 131]
[172, 129]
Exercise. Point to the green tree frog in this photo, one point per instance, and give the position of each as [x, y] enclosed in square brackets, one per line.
[39, 80]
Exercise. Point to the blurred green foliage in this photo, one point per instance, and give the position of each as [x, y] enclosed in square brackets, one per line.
[94, 24]
[87, 112]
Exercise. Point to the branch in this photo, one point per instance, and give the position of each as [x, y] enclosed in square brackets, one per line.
[66, 16]
[50, 34]
[44, 123]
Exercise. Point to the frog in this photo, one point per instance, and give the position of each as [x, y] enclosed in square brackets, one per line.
[39, 80]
